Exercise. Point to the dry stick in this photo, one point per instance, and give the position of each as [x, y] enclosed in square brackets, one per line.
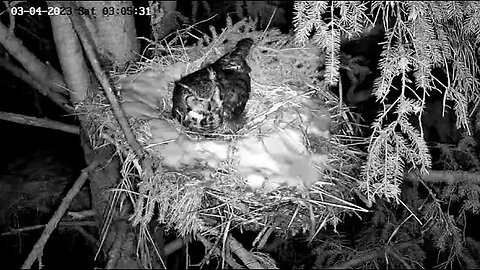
[215, 249]
[15, 231]
[444, 177]
[375, 254]
[173, 246]
[18, 72]
[38, 122]
[37, 249]
[87, 43]
[247, 258]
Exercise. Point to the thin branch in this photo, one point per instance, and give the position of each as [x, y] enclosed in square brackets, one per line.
[215, 249]
[37, 249]
[82, 214]
[173, 246]
[11, 24]
[247, 257]
[15, 231]
[38, 122]
[444, 176]
[38, 70]
[375, 254]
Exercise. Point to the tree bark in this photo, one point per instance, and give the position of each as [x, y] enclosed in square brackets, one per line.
[164, 19]
[116, 38]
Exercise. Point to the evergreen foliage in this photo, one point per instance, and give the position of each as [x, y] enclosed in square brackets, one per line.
[422, 38]
[419, 37]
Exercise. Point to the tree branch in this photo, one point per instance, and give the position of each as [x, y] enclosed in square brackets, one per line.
[18, 72]
[209, 246]
[247, 258]
[444, 176]
[38, 70]
[173, 246]
[375, 254]
[15, 231]
[37, 249]
[38, 122]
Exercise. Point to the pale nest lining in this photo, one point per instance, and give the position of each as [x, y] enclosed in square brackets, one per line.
[271, 170]
[265, 161]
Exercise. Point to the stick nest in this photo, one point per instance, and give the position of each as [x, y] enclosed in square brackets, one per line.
[283, 76]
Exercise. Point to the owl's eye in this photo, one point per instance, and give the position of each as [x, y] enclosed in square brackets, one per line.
[191, 101]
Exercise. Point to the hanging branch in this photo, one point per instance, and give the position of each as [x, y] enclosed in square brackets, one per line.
[37, 249]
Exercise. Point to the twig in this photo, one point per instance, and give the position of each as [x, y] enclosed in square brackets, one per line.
[37, 249]
[400, 259]
[11, 25]
[268, 24]
[375, 254]
[82, 214]
[38, 122]
[173, 246]
[87, 43]
[15, 231]
[209, 246]
[444, 176]
[247, 258]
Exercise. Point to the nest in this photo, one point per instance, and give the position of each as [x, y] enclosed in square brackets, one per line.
[201, 200]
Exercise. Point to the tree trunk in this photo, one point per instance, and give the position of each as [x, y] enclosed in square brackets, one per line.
[164, 18]
[116, 38]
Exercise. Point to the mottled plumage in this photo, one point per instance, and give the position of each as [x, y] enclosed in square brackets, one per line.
[205, 98]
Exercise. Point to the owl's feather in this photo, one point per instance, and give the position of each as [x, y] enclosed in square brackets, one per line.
[205, 98]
